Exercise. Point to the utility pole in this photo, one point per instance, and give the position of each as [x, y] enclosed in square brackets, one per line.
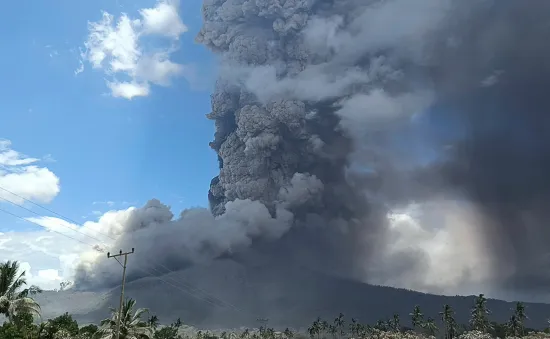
[120, 254]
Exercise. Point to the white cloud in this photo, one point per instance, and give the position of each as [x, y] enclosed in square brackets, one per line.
[21, 175]
[115, 46]
[116, 43]
[49, 256]
[109, 203]
[48, 279]
[128, 90]
[55, 224]
[80, 68]
[163, 20]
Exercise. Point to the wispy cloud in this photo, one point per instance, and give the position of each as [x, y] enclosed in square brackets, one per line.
[52, 52]
[492, 79]
[80, 68]
[109, 203]
[115, 46]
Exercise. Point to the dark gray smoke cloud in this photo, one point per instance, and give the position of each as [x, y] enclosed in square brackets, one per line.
[332, 115]
[354, 73]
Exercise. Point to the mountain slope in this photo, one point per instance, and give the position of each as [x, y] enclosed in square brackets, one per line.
[287, 297]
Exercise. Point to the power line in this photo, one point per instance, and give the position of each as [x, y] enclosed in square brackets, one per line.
[49, 229]
[219, 301]
[47, 209]
[102, 243]
[36, 213]
[105, 245]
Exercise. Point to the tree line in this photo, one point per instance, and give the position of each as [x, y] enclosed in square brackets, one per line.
[21, 311]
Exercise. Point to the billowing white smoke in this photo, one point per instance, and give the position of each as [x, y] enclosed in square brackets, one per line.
[434, 247]
[195, 237]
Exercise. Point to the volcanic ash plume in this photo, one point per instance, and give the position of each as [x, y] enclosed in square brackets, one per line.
[379, 140]
[320, 89]
[354, 92]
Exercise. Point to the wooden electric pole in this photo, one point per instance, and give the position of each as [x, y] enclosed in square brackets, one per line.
[120, 254]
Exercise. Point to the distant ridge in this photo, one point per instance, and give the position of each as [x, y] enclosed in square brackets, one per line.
[288, 298]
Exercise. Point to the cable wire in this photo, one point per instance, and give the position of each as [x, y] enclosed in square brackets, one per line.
[98, 232]
[220, 302]
[49, 229]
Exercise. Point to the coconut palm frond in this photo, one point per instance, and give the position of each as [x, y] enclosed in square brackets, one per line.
[14, 300]
[132, 326]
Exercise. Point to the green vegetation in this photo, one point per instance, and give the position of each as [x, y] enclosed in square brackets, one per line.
[14, 299]
[24, 322]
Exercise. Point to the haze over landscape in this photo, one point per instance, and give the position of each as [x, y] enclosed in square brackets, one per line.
[347, 144]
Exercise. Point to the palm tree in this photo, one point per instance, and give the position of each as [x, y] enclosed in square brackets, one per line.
[447, 318]
[312, 331]
[333, 331]
[430, 327]
[288, 333]
[513, 327]
[395, 324]
[153, 322]
[315, 328]
[178, 323]
[131, 324]
[520, 316]
[340, 323]
[245, 334]
[479, 320]
[323, 327]
[354, 327]
[13, 299]
[417, 317]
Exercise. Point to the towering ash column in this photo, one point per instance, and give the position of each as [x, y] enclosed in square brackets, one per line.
[314, 114]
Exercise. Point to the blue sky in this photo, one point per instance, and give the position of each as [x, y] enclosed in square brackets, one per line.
[104, 146]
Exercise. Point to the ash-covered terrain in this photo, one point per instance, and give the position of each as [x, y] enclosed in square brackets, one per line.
[393, 142]
[245, 294]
